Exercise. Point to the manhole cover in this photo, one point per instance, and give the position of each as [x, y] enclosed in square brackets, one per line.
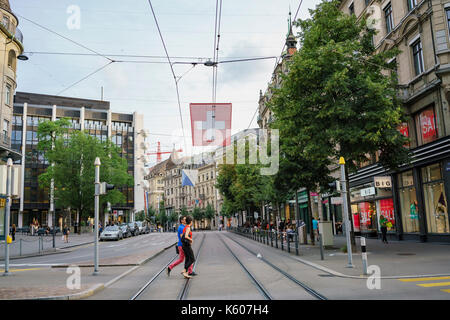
[406, 254]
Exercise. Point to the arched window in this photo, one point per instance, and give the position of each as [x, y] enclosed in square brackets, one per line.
[12, 59]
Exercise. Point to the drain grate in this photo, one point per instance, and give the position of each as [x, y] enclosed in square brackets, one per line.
[406, 254]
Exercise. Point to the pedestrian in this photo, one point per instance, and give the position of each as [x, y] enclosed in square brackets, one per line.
[66, 233]
[315, 224]
[13, 232]
[383, 227]
[187, 242]
[180, 249]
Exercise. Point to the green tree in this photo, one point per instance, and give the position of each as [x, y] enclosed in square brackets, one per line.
[140, 215]
[73, 155]
[337, 100]
[198, 215]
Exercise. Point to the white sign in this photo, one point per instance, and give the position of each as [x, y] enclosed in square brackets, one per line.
[383, 182]
[368, 192]
[337, 200]
[120, 212]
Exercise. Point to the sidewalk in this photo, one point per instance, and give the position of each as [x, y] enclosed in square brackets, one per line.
[26, 245]
[52, 283]
[395, 259]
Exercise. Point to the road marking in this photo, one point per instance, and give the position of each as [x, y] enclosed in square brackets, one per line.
[423, 279]
[446, 290]
[18, 270]
[437, 284]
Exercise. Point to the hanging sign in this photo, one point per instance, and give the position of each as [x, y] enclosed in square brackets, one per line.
[368, 192]
[383, 182]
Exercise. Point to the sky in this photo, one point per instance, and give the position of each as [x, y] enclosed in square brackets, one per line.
[249, 28]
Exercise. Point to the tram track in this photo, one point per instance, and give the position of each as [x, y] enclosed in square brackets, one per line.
[257, 284]
[308, 289]
[184, 291]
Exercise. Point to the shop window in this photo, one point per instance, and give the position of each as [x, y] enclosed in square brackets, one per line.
[387, 211]
[426, 124]
[436, 205]
[364, 216]
[404, 130]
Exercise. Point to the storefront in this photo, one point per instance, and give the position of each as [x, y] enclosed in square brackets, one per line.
[423, 201]
[369, 203]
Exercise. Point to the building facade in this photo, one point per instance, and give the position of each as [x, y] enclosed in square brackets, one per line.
[95, 118]
[415, 198]
[12, 50]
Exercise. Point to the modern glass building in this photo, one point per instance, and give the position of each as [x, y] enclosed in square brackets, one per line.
[96, 118]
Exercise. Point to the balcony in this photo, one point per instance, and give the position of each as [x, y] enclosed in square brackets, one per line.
[5, 140]
[9, 28]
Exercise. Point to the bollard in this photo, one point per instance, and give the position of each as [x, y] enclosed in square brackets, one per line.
[282, 242]
[20, 247]
[364, 255]
[267, 234]
[39, 245]
[296, 243]
[271, 239]
[276, 239]
[288, 243]
[321, 247]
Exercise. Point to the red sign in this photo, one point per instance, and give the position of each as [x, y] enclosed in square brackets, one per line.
[387, 210]
[211, 124]
[428, 125]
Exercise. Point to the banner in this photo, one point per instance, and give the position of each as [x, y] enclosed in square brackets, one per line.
[189, 177]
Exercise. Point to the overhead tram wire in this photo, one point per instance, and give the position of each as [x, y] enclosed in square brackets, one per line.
[171, 68]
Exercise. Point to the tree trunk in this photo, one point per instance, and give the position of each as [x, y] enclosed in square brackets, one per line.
[311, 231]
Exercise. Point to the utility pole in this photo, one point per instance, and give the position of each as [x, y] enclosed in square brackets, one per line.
[346, 218]
[9, 165]
[97, 164]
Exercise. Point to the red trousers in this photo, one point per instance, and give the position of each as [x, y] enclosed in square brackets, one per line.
[180, 260]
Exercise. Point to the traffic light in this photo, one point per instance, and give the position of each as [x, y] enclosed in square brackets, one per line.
[105, 187]
[335, 185]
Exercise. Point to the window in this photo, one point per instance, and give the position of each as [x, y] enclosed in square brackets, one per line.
[418, 57]
[12, 59]
[389, 18]
[436, 205]
[409, 210]
[5, 22]
[404, 130]
[5, 129]
[426, 126]
[411, 4]
[447, 11]
[351, 8]
[8, 94]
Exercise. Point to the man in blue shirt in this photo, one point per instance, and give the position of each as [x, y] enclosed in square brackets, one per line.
[315, 224]
[180, 249]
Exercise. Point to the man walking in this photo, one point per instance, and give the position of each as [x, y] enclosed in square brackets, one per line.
[180, 249]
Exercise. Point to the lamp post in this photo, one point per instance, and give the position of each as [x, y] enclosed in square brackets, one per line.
[7, 213]
[97, 164]
[346, 218]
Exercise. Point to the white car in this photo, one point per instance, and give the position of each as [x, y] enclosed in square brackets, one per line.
[111, 233]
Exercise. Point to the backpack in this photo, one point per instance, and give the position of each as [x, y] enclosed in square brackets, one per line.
[185, 241]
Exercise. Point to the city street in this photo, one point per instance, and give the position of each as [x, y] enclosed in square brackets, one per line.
[229, 267]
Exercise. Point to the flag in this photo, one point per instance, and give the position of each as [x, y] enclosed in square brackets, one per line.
[189, 177]
[211, 124]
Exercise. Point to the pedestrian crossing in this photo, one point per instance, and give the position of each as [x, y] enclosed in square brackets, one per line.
[430, 282]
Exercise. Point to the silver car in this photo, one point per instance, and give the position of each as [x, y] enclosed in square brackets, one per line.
[111, 233]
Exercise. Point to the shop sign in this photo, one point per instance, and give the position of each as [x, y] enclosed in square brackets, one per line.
[337, 200]
[383, 182]
[313, 194]
[368, 192]
[120, 212]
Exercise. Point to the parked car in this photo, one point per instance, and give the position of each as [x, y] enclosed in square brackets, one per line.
[111, 233]
[126, 231]
[143, 228]
[134, 228]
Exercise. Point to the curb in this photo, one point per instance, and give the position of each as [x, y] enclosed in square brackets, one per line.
[47, 253]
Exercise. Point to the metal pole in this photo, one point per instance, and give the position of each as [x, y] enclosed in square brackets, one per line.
[7, 213]
[97, 164]
[321, 247]
[20, 247]
[346, 218]
[276, 239]
[296, 243]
